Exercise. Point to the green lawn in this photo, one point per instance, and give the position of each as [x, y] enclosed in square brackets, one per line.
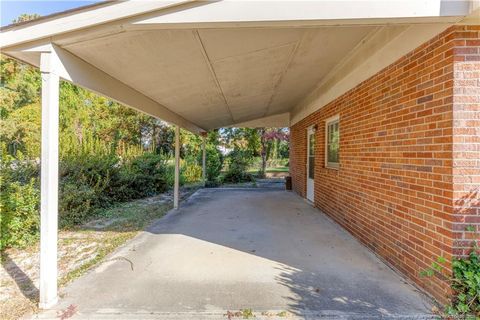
[272, 169]
[278, 169]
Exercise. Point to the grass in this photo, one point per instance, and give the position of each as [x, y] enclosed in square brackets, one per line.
[270, 169]
[278, 169]
[133, 216]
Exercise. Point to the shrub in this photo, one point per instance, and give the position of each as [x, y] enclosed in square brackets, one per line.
[91, 181]
[466, 286]
[214, 163]
[191, 170]
[78, 201]
[170, 174]
[19, 202]
[239, 162]
[465, 283]
[85, 180]
[147, 175]
[20, 220]
[92, 176]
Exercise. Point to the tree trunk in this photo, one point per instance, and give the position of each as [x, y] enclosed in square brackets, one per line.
[263, 142]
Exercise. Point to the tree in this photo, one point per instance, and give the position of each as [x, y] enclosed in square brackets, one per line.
[26, 17]
[268, 136]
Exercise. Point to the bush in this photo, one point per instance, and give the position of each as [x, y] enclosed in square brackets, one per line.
[77, 203]
[466, 286]
[91, 177]
[19, 202]
[20, 221]
[239, 162]
[170, 175]
[145, 176]
[90, 182]
[214, 163]
[191, 171]
[85, 181]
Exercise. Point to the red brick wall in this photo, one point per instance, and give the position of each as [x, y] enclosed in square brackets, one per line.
[466, 137]
[404, 155]
[298, 159]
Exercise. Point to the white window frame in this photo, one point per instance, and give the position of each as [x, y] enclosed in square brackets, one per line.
[332, 165]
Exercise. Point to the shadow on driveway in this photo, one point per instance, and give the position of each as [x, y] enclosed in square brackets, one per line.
[260, 249]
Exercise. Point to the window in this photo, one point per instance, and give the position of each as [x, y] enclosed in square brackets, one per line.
[311, 154]
[332, 142]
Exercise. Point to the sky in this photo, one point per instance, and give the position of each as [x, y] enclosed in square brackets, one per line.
[11, 9]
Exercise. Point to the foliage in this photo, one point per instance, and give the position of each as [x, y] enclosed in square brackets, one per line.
[84, 181]
[465, 283]
[19, 199]
[246, 139]
[143, 176]
[214, 158]
[268, 137]
[26, 17]
[94, 177]
[21, 130]
[108, 153]
[191, 170]
[20, 220]
[239, 162]
[266, 143]
[214, 163]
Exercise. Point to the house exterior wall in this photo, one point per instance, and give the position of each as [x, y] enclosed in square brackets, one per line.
[466, 138]
[409, 172]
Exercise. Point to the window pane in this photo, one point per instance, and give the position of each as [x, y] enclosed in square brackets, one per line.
[333, 142]
[312, 144]
[332, 153]
[311, 167]
[311, 155]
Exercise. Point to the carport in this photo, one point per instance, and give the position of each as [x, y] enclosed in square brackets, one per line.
[204, 65]
[239, 250]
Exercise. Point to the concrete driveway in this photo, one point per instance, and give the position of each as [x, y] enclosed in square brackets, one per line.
[228, 251]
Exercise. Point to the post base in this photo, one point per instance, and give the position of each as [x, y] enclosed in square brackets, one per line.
[49, 304]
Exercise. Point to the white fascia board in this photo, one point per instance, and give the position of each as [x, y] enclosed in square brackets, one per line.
[78, 71]
[71, 21]
[314, 12]
[373, 55]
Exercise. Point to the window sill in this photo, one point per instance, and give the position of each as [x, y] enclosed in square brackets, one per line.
[333, 167]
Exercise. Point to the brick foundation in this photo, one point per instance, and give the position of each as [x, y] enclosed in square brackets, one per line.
[409, 172]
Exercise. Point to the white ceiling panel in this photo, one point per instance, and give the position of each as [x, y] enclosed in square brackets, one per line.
[248, 80]
[168, 66]
[216, 77]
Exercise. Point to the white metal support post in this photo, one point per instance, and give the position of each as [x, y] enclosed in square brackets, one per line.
[204, 161]
[177, 168]
[49, 181]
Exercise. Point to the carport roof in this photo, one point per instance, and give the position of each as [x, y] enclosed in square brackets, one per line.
[204, 65]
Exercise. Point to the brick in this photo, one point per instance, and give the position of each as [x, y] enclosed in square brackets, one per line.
[408, 182]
